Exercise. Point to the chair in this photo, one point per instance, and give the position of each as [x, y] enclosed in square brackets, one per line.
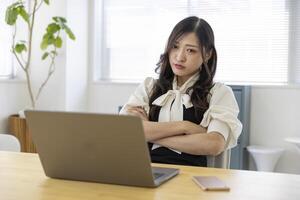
[9, 143]
[220, 161]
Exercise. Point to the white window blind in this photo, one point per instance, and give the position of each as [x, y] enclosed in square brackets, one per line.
[135, 35]
[294, 41]
[6, 66]
[252, 37]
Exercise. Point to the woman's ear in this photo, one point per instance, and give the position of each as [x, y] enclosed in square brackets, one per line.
[208, 55]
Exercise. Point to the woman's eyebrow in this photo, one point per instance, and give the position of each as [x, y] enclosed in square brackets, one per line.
[188, 45]
[191, 45]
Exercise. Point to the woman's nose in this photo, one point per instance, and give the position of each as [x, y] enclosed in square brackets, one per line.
[180, 56]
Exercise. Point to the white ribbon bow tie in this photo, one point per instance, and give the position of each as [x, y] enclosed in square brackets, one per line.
[172, 108]
[172, 105]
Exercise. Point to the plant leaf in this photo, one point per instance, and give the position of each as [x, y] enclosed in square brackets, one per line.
[14, 5]
[45, 55]
[51, 39]
[62, 23]
[44, 44]
[11, 13]
[52, 28]
[58, 42]
[47, 2]
[69, 32]
[55, 19]
[23, 13]
[54, 53]
[20, 47]
[46, 36]
[59, 19]
[48, 39]
[62, 19]
[11, 16]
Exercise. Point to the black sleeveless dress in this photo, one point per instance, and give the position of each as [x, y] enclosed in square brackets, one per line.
[165, 155]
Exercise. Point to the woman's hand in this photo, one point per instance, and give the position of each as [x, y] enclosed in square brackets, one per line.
[139, 112]
[192, 128]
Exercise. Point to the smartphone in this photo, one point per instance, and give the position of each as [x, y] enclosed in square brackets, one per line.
[210, 183]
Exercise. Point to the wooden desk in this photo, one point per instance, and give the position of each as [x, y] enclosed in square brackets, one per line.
[22, 177]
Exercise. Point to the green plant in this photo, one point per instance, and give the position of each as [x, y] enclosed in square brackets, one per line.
[51, 41]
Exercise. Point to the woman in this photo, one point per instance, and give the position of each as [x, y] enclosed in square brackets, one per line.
[186, 116]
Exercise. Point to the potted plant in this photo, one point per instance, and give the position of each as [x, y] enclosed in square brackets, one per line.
[16, 13]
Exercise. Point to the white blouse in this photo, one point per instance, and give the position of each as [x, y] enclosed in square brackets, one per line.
[221, 116]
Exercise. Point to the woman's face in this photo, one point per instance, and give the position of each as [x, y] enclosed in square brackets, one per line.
[185, 57]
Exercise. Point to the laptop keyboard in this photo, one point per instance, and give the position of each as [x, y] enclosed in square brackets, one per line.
[157, 175]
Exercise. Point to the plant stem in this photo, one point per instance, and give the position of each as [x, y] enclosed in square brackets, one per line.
[28, 80]
[27, 67]
[50, 72]
[38, 7]
[13, 48]
[18, 60]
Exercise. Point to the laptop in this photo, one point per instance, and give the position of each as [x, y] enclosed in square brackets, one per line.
[93, 147]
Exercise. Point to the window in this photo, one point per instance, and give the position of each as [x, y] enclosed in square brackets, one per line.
[252, 37]
[6, 58]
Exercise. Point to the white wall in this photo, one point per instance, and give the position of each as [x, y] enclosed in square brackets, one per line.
[12, 99]
[274, 116]
[77, 57]
[106, 97]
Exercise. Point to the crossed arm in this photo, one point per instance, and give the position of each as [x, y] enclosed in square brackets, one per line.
[183, 136]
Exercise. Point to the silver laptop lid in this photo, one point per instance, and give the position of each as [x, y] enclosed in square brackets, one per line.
[91, 147]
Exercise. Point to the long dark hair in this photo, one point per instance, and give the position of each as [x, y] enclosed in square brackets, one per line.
[201, 88]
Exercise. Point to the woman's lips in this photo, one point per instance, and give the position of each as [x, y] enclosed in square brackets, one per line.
[178, 66]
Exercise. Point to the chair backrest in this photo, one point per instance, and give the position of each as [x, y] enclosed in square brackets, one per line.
[9, 143]
[220, 161]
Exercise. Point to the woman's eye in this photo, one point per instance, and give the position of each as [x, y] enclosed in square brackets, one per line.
[191, 50]
[175, 46]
